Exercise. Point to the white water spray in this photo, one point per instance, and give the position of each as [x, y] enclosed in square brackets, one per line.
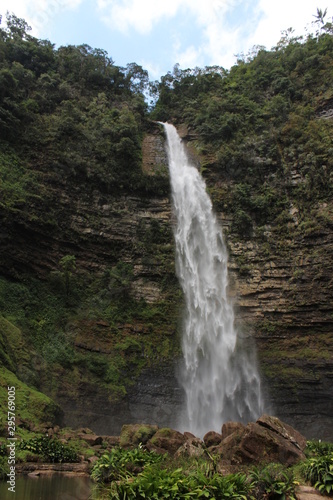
[219, 376]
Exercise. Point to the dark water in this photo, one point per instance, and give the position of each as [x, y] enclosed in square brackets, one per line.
[55, 487]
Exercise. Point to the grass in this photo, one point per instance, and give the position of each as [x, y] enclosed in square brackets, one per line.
[32, 408]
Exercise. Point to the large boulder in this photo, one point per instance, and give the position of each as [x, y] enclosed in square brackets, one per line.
[134, 434]
[166, 441]
[268, 440]
[212, 438]
[229, 428]
[283, 429]
[193, 447]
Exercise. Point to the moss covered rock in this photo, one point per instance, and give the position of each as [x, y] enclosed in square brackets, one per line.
[134, 434]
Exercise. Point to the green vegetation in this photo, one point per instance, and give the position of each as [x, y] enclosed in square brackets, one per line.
[261, 127]
[120, 463]
[273, 481]
[318, 469]
[138, 473]
[49, 450]
[32, 408]
[50, 314]
[160, 483]
[73, 103]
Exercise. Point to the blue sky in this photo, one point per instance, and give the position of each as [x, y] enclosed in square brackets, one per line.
[157, 34]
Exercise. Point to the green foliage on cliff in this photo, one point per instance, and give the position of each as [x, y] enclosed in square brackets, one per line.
[32, 408]
[68, 112]
[72, 124]
[265, 125]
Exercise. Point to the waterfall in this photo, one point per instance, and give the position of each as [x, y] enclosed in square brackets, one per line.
[219, 372]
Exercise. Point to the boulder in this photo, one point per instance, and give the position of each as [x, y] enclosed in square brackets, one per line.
[111, 440]
[212, 438]
[190, 449]
[189, 435]
[231, 427]
[193, 446]
[166, 441]
[92, 439]
[134, 434]
[266, 441]
[285, 430]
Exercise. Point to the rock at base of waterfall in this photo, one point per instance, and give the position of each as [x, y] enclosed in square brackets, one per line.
[135, 434]
[268, 440]
[166, 441]
[285, 430]
[231, 427]
[265, 441]
[212, 438]
[193, 447]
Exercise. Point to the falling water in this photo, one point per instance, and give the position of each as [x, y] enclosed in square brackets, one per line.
[219, 374]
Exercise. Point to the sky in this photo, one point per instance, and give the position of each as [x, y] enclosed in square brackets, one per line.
[157, 34]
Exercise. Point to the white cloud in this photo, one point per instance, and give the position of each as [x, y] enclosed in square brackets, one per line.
[140, 15]
[209, 15]
[189, 58]
[279, 16]
[38, 13]
[223, 27]
[220, 41]
[154, 70]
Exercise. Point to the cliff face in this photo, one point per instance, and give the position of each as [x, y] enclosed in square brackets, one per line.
[284, 299]
[122, 369]
[282, 289]
[107, 356]
[281, 282]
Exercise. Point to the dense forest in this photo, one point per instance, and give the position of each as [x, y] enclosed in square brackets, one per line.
[258, 124]
[88, 293]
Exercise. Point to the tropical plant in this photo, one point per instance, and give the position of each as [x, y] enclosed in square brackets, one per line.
[318, 448]
[121, 463]
[50, 449]
[319, 472]
[157, 483]
[273, 482]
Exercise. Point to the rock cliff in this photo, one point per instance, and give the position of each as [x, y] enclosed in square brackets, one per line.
[281, 282]
[282, 290]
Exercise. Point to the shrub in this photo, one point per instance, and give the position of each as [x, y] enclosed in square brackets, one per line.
[318, 448]
[120, 463]
[273, 482]
[154, 484]
[157, 483]
[319, 472]
[242, 223]
[51, 450]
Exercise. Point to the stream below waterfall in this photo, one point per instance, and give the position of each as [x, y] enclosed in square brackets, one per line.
[49, 487]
